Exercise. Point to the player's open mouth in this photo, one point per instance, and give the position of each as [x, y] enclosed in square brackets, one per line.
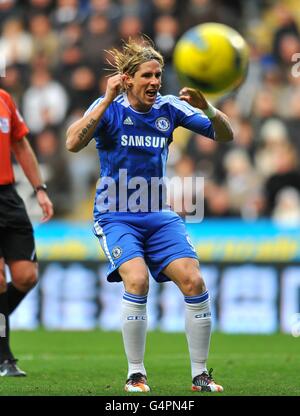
[151, 93]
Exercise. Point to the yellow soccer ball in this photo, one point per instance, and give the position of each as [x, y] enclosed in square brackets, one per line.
[211, 57]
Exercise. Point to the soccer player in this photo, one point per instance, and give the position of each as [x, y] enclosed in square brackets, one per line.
[132, 125]
[17, 248]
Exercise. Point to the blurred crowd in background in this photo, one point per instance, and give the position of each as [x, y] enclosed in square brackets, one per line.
[55, 68]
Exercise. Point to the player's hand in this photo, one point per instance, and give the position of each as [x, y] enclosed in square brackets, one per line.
[46, 205]
[114, 86]
[193, 97]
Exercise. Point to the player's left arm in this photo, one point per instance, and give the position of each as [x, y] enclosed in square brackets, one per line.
[219, 120]
[27, 160]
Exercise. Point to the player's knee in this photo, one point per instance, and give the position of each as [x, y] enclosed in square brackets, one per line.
[193, 284]
[27, 280]
[137, 285]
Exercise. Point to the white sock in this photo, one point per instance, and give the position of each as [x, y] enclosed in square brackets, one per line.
[134, 328]
[198, 330]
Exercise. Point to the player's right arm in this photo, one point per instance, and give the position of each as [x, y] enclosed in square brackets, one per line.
[81, 132]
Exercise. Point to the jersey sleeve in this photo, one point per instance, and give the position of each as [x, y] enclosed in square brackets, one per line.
[19, 128]
[192, 118]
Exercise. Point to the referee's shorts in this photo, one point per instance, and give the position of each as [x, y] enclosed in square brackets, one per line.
[16, 232]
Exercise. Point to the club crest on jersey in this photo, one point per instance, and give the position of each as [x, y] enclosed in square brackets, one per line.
[162, 123]
[4, 125]
[116, 252]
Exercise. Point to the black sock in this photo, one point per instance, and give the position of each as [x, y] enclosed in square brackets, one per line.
[5, 352]
[14, 297]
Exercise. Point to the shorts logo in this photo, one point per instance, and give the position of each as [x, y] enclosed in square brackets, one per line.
[4, 125]
[162, 123]
[116, 252]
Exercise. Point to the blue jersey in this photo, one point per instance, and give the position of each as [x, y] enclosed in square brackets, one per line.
[133, 149]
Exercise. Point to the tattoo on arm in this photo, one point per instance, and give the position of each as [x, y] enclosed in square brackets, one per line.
[84, 131]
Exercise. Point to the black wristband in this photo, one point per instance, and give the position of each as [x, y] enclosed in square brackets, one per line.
[42, 187]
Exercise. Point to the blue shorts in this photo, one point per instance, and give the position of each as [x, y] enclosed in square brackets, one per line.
[158, 237]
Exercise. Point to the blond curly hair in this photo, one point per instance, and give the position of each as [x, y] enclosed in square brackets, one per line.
[132, 55]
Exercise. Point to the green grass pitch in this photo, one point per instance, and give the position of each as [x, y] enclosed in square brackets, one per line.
[93, 364]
